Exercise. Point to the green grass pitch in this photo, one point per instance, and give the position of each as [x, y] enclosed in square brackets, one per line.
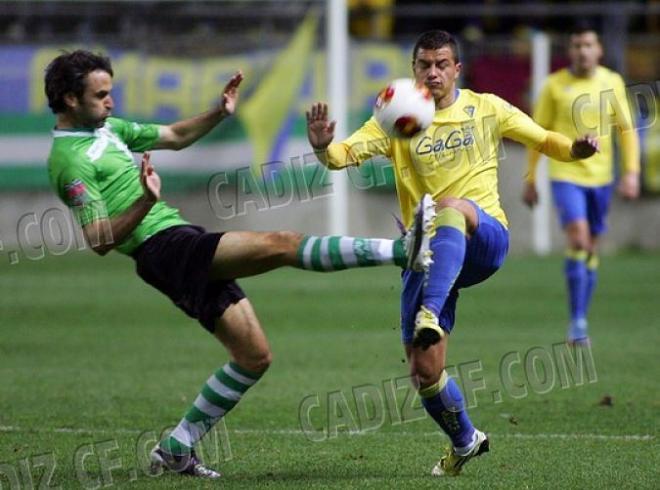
[94, 363]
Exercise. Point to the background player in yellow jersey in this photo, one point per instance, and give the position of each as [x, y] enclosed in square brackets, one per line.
[452, 169]
[585, 97]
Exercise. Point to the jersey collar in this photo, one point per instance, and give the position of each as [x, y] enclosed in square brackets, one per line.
[457, 94]
[75, 132]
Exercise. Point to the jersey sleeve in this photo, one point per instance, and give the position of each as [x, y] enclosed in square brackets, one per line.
[544, 115]
[138, 137]
[368, 141]
[627, 133]
[623, 117]
[517, 125]
[78, 188]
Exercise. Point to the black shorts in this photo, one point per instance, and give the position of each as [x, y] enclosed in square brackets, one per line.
[177, 262]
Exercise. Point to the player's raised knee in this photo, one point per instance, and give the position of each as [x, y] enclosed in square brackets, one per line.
[449, 202]
[462, 206]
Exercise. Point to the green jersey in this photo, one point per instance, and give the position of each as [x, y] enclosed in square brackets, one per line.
[93, 172]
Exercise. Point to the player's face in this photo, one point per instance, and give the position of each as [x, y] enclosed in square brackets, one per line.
[96, 103]
[437, 69]
[584, 51]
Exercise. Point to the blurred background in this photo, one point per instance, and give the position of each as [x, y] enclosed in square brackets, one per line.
[172, 58]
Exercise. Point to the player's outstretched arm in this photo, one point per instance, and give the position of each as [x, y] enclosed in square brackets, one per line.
[182, 134]
[518, 126]
[366, 142]
[557, 147]
[320, 133]
[560, 148]
[104, 234]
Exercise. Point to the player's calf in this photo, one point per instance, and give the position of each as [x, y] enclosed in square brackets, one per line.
[334, 253]
[448, 246]
[444, 402]
[283, 244]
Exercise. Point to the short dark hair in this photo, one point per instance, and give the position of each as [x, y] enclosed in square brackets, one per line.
[436, 39]
[583, 26]
[66, 74]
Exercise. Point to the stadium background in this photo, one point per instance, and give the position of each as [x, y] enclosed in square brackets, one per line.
[172, 58]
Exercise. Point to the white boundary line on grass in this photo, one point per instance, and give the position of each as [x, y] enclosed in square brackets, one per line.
[296, 432]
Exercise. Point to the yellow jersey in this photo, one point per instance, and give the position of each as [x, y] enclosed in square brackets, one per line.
[457, 156]
[577, 106]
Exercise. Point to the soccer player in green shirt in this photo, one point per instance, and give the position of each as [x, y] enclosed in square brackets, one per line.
[118, 205]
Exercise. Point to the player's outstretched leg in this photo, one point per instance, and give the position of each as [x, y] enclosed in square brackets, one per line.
[245, 253]
[335, 253]
[239, 330]
[448, 245]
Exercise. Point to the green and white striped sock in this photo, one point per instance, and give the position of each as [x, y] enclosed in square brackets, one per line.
[220, 394]
[335, 253]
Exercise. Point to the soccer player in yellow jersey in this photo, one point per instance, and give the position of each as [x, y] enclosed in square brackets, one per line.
[585, 97]
[452, 169]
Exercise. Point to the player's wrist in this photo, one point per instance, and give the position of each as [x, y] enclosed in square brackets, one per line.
[321, 149]
[149, 199]
[222, 111]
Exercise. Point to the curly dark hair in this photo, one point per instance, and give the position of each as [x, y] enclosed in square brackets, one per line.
[435, 40]
[66, 74]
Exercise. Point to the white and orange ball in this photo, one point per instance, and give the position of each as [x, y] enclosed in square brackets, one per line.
[404, 108]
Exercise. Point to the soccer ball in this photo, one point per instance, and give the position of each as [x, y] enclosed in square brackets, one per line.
[404, 108]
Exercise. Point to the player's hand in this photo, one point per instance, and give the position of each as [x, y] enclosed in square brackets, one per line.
[584, 147]
[320, 130]
[629, 185]
[230, 93]
[149, 179]
[530, 195]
